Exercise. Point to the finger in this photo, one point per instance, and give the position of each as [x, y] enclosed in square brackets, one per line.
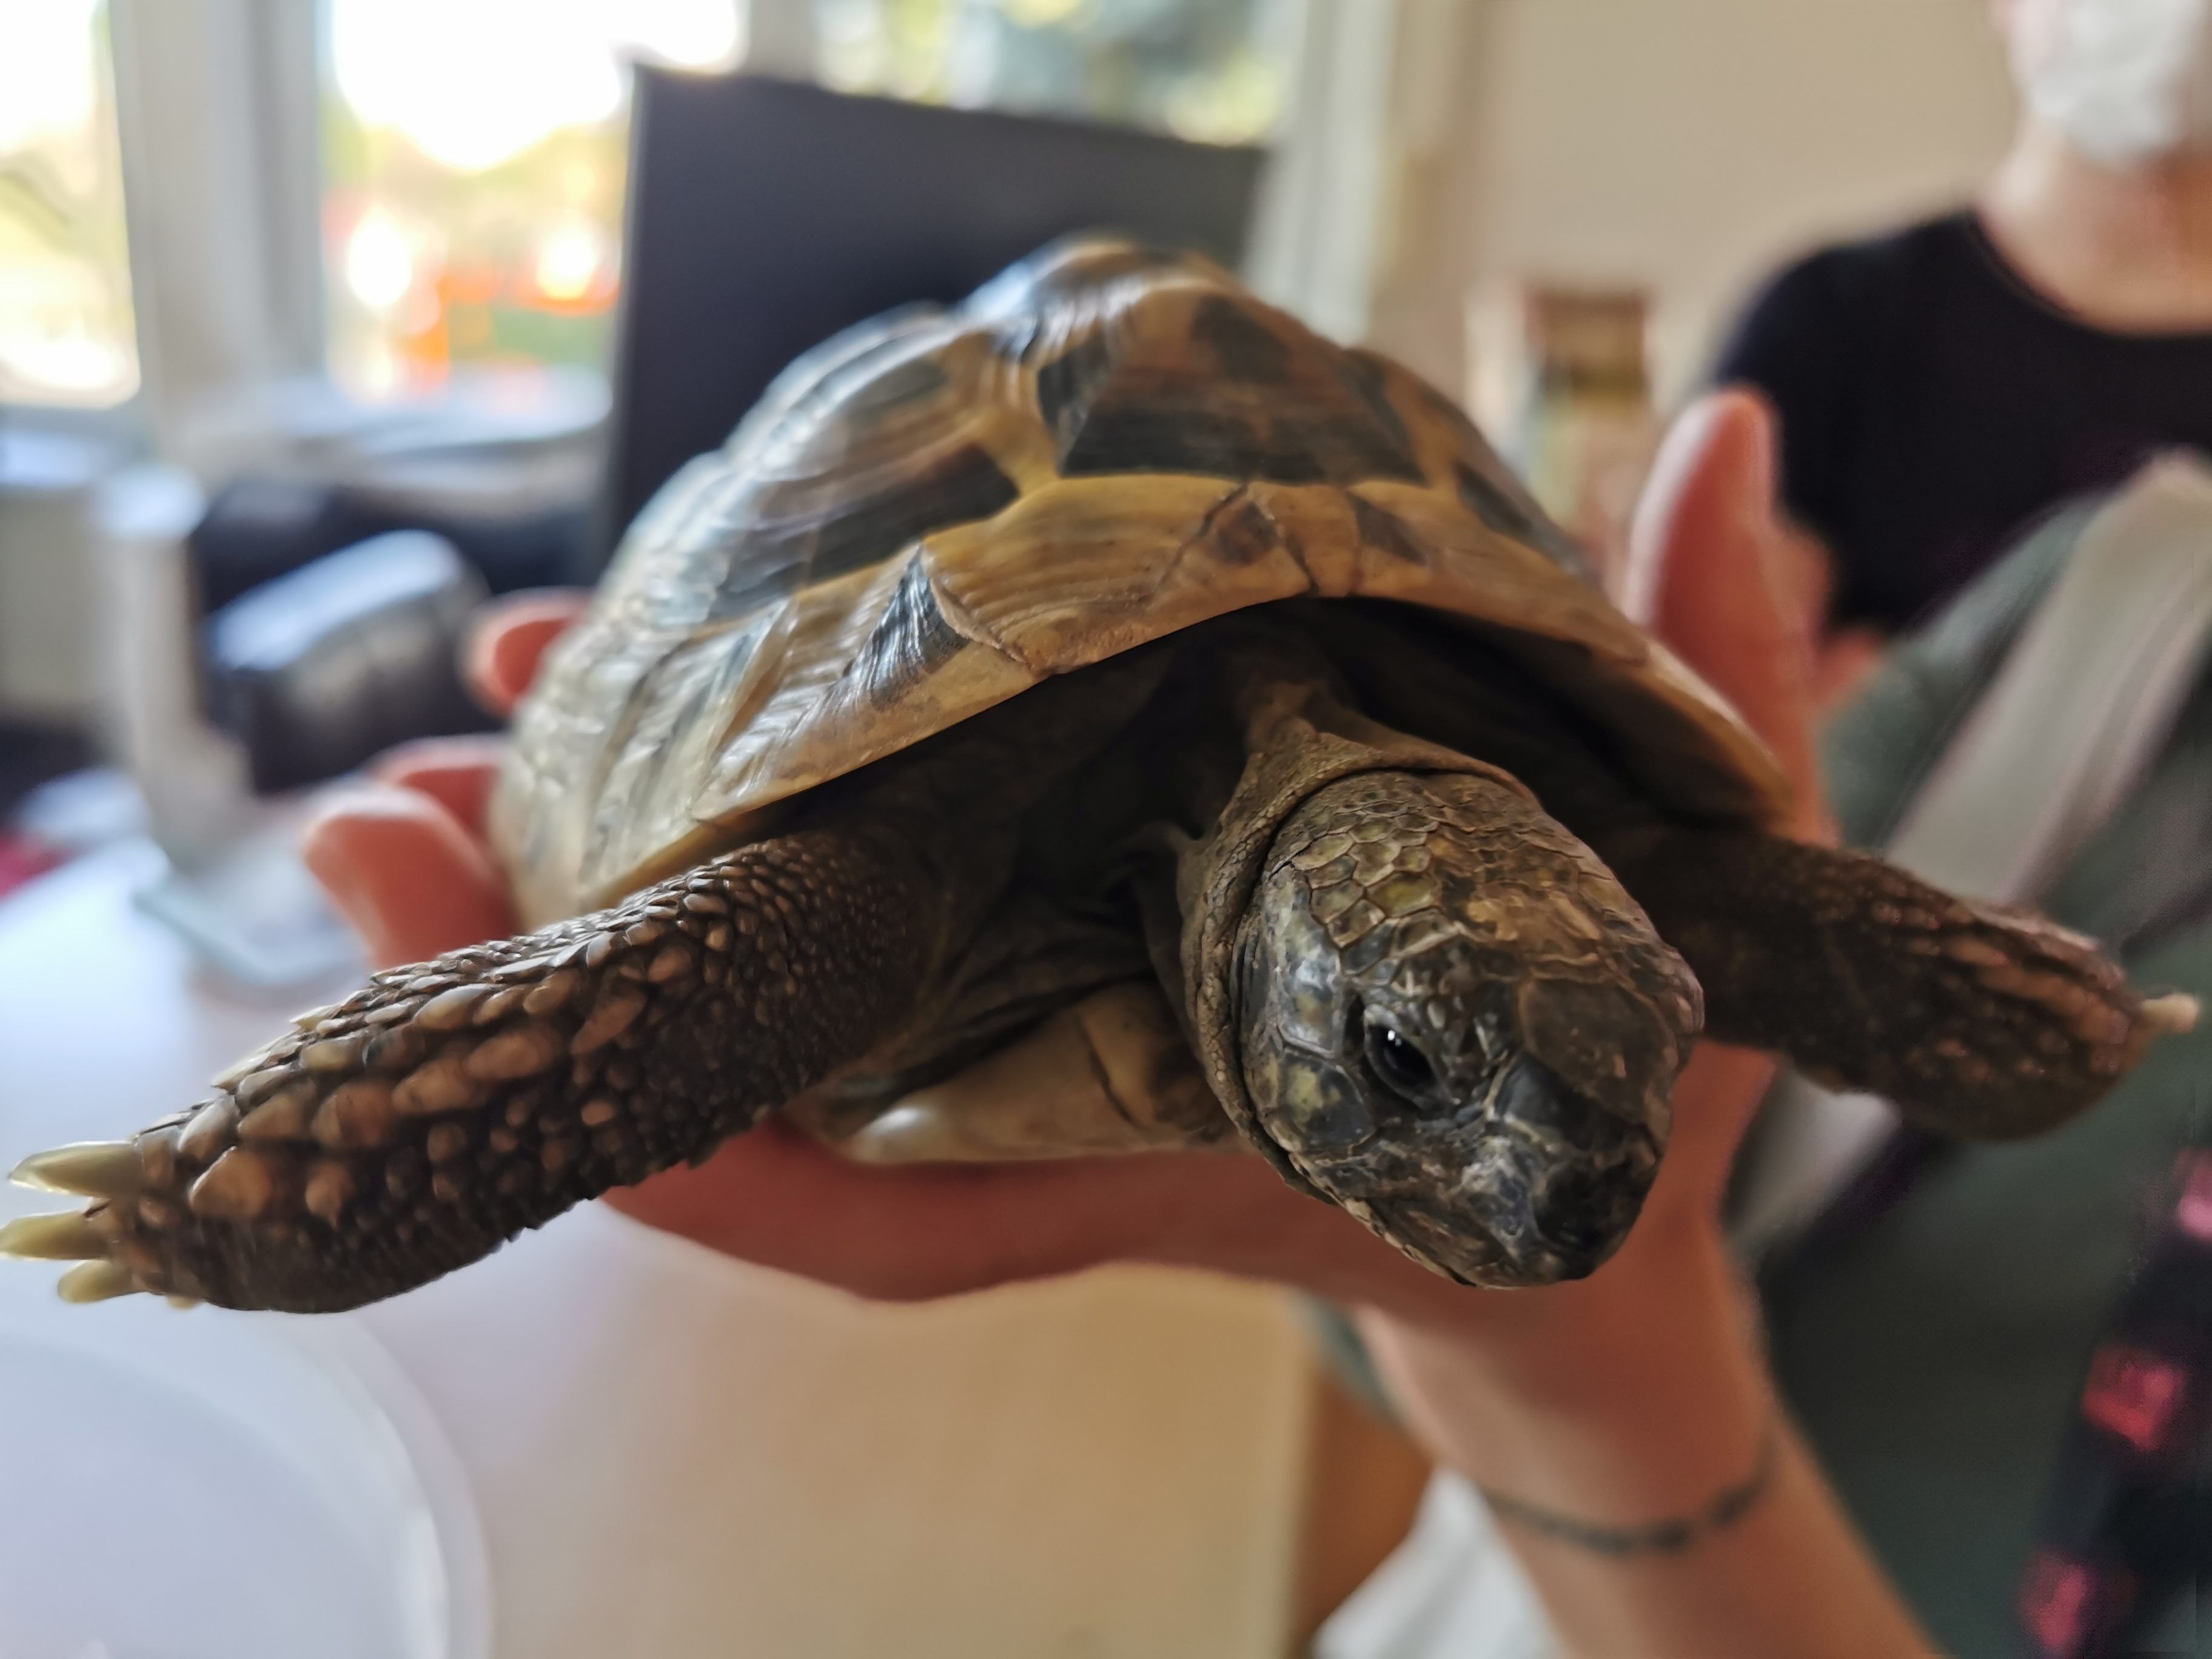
[1706, 555]
[458, 773]
[1805, 575]
[510, 639]
[777, 1199]
[405, 873]
[1708, 572]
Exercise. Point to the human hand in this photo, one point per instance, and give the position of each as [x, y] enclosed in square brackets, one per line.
[405, 857]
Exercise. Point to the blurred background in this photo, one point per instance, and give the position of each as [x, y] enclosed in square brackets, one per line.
[264, 245]
[321, 321]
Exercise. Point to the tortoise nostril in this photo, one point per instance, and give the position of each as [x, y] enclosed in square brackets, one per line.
[1585, 1214]
[1600, 1165]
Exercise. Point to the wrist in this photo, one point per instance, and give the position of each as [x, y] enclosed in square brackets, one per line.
[1673, 1299]
[1622, 1401]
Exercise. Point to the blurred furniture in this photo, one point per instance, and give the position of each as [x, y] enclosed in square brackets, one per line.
[262, 526]
[764, 215]
[335, 579]
[1587, 430]
[505, 475]
[47, 481]
[252, 643]
[677, 1456]
[505, 467]
[319, 671]
[295, 681]
[32, 753]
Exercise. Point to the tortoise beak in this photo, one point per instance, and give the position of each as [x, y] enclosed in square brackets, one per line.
[1579, 1171]
[1546, 1184]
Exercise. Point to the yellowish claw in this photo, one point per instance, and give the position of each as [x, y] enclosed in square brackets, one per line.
[88, 1169]
[67, 1236]
[97, 1281]
[2173, 1014]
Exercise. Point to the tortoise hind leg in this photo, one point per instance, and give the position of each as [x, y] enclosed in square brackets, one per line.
[1977, 1022]
[449, 1105]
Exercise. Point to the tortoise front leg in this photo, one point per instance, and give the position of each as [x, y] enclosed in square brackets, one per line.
[1977, 1022]
[447, 1106]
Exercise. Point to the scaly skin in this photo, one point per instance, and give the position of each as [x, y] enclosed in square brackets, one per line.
[447, 1106]
[1550, 1018]
[1980, 1024]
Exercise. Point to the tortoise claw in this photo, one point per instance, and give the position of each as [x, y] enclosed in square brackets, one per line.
[97, 1281]
[75, 1235]
[88, 1169]
[68, 1236]
[114, 1174]
[2172, 1014]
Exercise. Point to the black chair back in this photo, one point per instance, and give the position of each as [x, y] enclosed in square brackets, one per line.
[765, 216]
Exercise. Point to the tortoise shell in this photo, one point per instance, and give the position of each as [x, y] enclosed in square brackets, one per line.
[935, 510]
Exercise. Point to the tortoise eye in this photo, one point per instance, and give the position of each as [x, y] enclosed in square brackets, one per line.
[1399, 1062]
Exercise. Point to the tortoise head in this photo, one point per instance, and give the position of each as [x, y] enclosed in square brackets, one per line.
[1455, 1023]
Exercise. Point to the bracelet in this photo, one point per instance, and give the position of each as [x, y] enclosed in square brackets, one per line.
[1669, 1537]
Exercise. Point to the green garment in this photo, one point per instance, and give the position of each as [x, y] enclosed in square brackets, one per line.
[1935, 1360]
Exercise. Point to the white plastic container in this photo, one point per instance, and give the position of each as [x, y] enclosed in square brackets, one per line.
[208, 1485]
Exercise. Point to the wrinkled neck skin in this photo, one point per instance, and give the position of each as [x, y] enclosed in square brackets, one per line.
[2128, 249]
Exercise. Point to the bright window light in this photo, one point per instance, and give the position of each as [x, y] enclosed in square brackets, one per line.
[65, 323]
[474, 151]
[379, 266]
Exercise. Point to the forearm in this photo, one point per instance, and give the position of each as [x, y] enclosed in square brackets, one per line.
[1636, 1409]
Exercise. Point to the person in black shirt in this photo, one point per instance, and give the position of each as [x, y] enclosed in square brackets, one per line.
[1933, 403]
[1941, 387]
[1938, 391]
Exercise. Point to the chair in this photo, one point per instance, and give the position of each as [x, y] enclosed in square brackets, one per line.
[765, 216]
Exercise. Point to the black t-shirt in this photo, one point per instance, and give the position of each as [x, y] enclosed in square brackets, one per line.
[1933, 405]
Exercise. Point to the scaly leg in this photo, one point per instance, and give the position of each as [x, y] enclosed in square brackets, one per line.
[1977, 1022]
[449, 1105]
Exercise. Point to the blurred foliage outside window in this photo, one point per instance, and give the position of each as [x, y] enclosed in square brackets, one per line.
[474, 149]
[65, 323]
[473, 156]
[1205, 69]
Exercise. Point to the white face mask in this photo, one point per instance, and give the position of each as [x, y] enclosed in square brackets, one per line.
[2127, 81]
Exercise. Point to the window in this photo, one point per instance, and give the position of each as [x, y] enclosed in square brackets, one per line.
[65, 323]
[474, 157]
[1207, 70]
[473, 150]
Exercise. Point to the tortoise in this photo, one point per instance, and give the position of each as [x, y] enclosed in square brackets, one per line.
[1103, 715]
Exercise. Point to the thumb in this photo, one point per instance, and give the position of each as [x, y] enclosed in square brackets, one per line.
[1709, 572]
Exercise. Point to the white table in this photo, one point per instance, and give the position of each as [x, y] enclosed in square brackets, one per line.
[674, 1455]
